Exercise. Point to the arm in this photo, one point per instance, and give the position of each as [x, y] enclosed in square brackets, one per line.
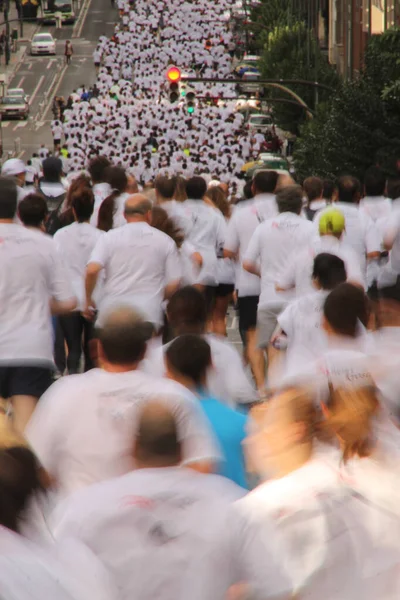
[92, 275]
[231, 244]
[253, 254]
[251, 268]
[173, 271]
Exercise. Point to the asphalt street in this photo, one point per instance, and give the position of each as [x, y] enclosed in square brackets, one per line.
[43, 77]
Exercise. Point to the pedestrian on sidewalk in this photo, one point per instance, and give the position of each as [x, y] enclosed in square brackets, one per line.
[68, 52]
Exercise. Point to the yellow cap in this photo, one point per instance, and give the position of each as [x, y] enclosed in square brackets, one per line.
[332, 222]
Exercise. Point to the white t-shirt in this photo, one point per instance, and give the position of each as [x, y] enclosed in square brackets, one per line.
[298, 271]
[226, 380]
[302, 322]
[139, 262]
[67, 571]
[149, 526]
[31, 273]
[241, 227]
[83, 442]
[75, 244]
[275, 243]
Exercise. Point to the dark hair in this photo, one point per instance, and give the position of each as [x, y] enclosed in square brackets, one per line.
[265, 182]
[313, 188]
[290, 199]
[157, 437]
[19, 480]
[187, 311]
[196, 188]
[374, 181]
[165, 186]
[116, 177]
[349, 189]
[8, 198]
[32, 210]
[219, 199]
[160, 220]
[97, 168]
[190, 356]
[329, 270]
[345, 306]
[329, 188]
[248, 190]
[82, 204]
[393, 188]
[124, 340]
[52, 169]
[180, 189]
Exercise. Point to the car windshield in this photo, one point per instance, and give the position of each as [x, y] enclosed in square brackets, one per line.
[261, 120]
[251, 76]
[43, 37]
[15, 92]
[11, 100]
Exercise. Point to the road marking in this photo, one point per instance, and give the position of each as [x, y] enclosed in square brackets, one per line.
[35, 91]
[49, 64]
[30, 65]
[79, 26]
[19, 125]
[20, 82]
[5, 124]
[20, 155]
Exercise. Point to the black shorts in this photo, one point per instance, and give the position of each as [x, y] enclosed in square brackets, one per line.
[224, 289]
[24, 381]
[97, 65]
[247, 306]
[57, 142]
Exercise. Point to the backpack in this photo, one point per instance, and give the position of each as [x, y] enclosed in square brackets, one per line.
[310, 213]
[53, 222]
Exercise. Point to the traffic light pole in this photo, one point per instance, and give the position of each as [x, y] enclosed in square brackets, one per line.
[280, 81]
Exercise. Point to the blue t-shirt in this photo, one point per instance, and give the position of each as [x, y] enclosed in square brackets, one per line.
[229, 427]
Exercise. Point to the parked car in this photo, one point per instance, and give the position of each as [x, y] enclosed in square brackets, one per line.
[43, 43]
[17, 93]
[14, 106]
[260, 122]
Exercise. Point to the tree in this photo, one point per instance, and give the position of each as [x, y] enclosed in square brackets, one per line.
[360, 126]
[292, 52]
[265, 17]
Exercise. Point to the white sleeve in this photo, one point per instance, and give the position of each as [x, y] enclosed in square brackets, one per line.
[237, 382]
[59, 283]
[253, 251]
[173, 265]
[286, 319]
[100, 252]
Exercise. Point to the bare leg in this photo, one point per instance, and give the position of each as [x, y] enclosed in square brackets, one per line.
[256, 359]
[23, 407]
[219, 314]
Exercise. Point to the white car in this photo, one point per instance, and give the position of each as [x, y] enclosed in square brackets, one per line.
[17, 93]
[43, 43]
[261, 122]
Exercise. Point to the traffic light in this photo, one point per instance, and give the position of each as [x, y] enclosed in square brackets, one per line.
[174, 77]
[190, 101]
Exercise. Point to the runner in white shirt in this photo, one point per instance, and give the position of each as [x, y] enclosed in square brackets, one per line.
[361, 232]
[301, 321]
[149, 526]
[101, 189]
[374, 203]
[314, 190]
[297, 273]
[75, 244]
[227, 380]
[111, 211]
[274, 243]
[33, 282]
[80, 443]
[140, 263]
[241, 227]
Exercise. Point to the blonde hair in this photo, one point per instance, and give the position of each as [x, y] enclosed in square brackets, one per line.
[351, 412]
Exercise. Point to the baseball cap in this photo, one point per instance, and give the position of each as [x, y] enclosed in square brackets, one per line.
[12, 167]
[332, 221]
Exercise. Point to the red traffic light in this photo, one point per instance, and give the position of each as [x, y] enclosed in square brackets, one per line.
[174, 74]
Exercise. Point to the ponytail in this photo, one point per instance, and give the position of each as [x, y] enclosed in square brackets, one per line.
[351, 413]
[107, 211]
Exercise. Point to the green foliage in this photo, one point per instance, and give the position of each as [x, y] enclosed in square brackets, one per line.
[268, 15]
[360, 126]
[292, 52]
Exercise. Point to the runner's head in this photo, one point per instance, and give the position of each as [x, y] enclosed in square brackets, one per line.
[52, 169]
[349, 416]
[82, 205]
[196, 188]
[138, 208]
[188, 359]
[8, 199]
[345, 309]
[97, 169]
[290, 199]
[264, 182]
[328, 271]
[121, 341]
[165, 188]
[15, 168]
[332, 222]
[33, 211]
[282, 437]
[348, 189]
[187, 311]
[313, 188]
[157, 441]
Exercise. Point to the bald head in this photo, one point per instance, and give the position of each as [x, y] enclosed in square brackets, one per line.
[123, 336]
[157, 442]
[138, 208]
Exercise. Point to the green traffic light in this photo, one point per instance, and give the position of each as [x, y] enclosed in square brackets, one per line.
[183, 93]
[190, 109]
